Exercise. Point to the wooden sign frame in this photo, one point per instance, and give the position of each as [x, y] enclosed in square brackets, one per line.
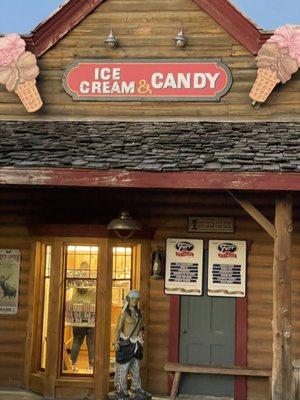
[140, 64]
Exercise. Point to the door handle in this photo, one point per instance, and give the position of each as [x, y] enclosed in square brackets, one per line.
[184, 331]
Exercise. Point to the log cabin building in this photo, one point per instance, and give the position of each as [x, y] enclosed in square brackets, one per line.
[67, 170]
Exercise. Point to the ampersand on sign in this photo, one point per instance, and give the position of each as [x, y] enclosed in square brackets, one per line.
[144, 87]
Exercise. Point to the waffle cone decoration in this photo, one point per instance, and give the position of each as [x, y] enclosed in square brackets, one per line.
[18, 70]
[29, 95]
[277, 60]
[265, 82]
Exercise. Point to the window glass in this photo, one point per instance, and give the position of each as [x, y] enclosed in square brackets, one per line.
[79, 309]
[122, 264]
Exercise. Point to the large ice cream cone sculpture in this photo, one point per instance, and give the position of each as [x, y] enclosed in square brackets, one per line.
[29, 95]
[277, 60]
[18, 70]
[265, 82]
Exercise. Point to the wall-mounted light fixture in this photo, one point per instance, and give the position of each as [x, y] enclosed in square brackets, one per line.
[112, 41]
[180, 39]
[124, 226]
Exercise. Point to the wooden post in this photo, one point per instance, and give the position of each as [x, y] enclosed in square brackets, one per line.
[54, 320]
[282, 347]
[103, 315]
[34, 283]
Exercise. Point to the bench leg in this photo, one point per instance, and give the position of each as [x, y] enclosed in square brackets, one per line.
[175, 385]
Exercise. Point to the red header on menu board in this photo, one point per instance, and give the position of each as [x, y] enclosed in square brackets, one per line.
[196, 80]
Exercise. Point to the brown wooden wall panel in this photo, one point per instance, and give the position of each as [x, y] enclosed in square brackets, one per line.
[158, 337]
[146, 30]
[14, 234]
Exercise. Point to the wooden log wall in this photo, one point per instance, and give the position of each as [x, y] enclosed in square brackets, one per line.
[14, 234]
[167, 213]
[146, 30]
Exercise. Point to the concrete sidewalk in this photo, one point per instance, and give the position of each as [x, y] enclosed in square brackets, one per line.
[11, 394]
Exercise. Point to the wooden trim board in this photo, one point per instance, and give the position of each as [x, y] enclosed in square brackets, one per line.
[149, 180]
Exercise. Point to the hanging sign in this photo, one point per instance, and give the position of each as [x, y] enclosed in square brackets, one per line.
[211, 224]
[147, 80]
[227, 268]
[9, 280]
[184, 266]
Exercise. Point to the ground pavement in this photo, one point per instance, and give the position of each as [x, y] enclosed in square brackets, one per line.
[24, 395]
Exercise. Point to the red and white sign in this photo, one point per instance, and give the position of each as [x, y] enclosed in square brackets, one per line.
[184, 267]
[227, 268]
[131, 80]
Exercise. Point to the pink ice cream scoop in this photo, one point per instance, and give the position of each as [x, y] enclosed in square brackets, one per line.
[25, 69]
[18, 70]
[288, 36]
[11, 47]
[278, 60]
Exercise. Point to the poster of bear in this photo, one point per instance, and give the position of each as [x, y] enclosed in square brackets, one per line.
[9, 280]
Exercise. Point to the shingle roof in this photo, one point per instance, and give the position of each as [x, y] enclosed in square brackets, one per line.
[152, 146]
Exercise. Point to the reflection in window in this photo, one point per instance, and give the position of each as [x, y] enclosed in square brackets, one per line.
[80, 309]
[122, 263]
[46, 257]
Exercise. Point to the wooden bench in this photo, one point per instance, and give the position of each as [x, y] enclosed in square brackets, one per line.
[178, 369]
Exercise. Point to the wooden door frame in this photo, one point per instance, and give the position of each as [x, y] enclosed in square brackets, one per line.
[33, 375]
[51, 378]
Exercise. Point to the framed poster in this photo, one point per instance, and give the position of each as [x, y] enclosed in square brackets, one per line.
[9, 280]
[227, 268]
[184, 267]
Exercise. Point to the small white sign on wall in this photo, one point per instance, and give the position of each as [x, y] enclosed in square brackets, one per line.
[184, 267]
[227, 268]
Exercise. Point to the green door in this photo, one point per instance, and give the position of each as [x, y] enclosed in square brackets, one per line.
[207, 337]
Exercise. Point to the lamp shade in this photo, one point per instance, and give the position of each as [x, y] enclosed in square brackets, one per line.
[124, 223]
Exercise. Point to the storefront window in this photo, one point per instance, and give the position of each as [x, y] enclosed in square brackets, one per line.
[121, 284]
[79, 309]
[46, 258]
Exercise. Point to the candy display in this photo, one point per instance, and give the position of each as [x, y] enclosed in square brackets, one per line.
[18, 70]
[277, 60]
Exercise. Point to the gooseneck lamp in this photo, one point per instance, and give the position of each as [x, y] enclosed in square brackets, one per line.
[124, 226]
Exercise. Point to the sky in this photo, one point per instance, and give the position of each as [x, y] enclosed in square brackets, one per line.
[22, 16]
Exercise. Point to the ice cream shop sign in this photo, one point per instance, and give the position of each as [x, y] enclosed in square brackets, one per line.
[192, 80]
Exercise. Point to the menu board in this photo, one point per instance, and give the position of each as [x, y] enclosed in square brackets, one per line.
[9, 280]
[227, 268]
[184, 267]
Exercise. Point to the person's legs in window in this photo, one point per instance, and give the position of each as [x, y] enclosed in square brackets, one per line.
[90, 345]
[78, 337]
